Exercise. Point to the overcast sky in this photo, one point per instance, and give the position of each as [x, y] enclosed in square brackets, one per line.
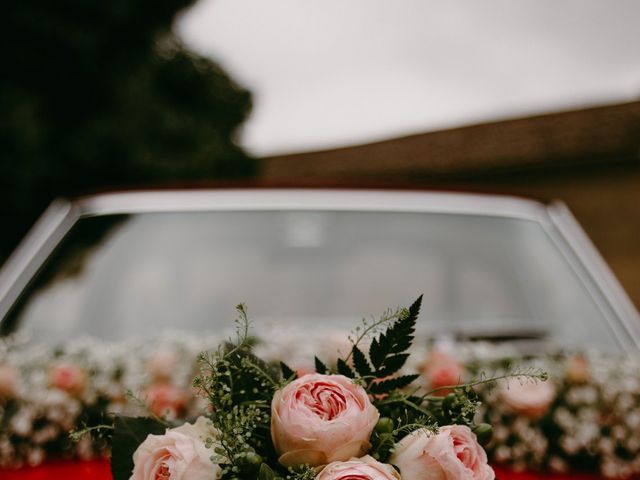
[327, 73]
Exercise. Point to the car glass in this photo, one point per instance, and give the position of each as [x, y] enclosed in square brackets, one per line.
[483, 277]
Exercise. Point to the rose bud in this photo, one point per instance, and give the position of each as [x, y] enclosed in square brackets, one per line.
[453, 452]
[384, 425]
[319, 419]
[365, 468]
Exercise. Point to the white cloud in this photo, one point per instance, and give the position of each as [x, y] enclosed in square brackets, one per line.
[338, 72]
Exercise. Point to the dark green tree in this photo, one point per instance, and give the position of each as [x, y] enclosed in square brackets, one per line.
[101, 94]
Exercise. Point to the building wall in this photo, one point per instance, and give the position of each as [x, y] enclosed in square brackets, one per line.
[580, 138]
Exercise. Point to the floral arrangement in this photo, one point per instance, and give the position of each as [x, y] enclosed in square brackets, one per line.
[586, 417]
[357, 419]
[47, 392]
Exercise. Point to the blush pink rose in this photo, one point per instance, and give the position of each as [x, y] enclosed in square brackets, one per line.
[578, 369]
[365, 468]
[531, 399]
[442, 370]
[8, 381]
[68, 377]
[165, 399]
[318, 419]
[452, 454]
[179, 454]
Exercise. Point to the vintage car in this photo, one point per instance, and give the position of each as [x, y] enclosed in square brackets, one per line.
[497, 270]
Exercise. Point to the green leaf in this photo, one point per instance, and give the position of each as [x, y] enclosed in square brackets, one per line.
[386, 351]
[344, 369]
[266, 473]
[386, 386]
[376, 353]
[360, 362]
[129, 433]
[287, 372]
[392, 364]
[321, 368]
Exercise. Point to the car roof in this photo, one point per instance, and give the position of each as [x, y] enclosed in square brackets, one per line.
[308, 199]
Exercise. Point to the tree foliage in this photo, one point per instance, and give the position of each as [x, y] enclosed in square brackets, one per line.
[97, 94]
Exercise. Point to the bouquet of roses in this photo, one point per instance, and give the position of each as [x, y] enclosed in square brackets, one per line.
[358, 419]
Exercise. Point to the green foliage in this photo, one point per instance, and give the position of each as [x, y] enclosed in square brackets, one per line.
[388, 351]
[320, 367]
[129, 433]
[387, 354]
[237, 446]
[391, 384]
[239, 387]
[97, 95]
[287, 371]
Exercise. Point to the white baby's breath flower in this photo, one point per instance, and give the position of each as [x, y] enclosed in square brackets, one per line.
[500, 433]
[557, 464]
[632, 443]
[606, 445]
[36, 456]
[633, 419]
[569, 444]
[625, 402]
[22, 423]
[45, 434]
[619, 433]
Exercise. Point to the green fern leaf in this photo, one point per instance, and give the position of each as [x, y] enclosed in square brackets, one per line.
[360, 362]
[287, 372]
[320, 367]
[344, 369]
[386, 386]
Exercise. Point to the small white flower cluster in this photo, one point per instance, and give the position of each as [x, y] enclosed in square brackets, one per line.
[592, 421]
[46, 392]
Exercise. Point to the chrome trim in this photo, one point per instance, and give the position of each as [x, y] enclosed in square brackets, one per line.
[364, 200]
[33, 251]
[575, 239]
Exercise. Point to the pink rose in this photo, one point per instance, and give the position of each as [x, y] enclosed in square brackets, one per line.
[179, 454]
[578, 369]
[161, 365]
[8, 381]
[318, 419]
[365, 468]
[452, 454]
[164, 399]
[531, 399]
[68, 377]
[442, 370]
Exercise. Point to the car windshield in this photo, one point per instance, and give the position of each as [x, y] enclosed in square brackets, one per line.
[124, 276]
